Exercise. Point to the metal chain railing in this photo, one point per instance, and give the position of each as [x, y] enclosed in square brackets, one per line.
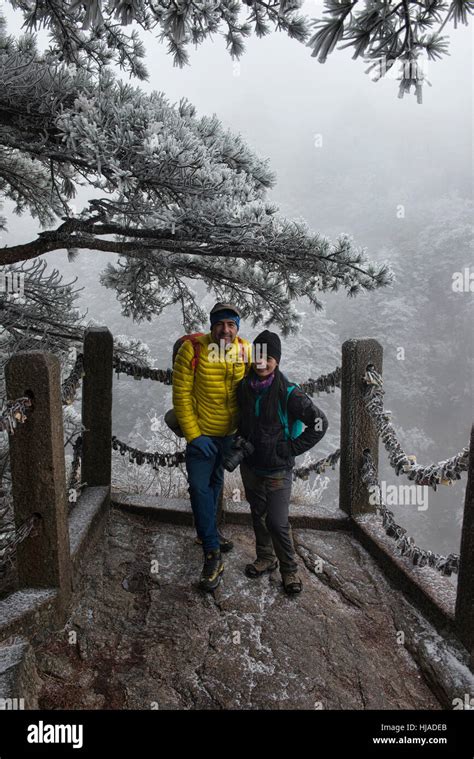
[70, 385]
[326, 383]
[444, 472]
[157, 459]
[74, 482]
[404, 543]
[319, 467]
[14, 412]
[5, 509]
[154, 458]
[142, 372]
[11, 537]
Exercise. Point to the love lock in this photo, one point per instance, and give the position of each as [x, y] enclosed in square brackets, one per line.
[453, 563]
[404, 547]
[444, 567]
[417, 556]
[423, 560]
[430, 558]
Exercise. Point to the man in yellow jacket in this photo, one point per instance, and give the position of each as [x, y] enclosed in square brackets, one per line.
[205, 404]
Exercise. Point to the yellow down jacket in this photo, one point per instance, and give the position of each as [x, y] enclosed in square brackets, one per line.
[204, 399]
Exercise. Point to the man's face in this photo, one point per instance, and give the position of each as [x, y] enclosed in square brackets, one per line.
[265, 366]
[226, 330]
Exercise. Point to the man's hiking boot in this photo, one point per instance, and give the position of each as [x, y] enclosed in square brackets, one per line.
[292, 583]
[260, 566]
[211, 571]
[225, 544]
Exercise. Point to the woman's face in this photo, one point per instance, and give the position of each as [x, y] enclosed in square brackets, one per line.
[265, 366]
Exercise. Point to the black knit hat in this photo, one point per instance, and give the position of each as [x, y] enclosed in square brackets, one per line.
[272, 341]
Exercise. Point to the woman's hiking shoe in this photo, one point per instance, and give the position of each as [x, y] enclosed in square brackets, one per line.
[211, 571]
[260, 566]
[225, 544]
[292, 583]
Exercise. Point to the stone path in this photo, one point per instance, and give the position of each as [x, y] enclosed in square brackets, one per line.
[148, 640]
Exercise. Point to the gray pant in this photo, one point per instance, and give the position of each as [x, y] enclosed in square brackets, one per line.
[269, 499]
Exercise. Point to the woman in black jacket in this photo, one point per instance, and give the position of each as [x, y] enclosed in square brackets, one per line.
[262, 396]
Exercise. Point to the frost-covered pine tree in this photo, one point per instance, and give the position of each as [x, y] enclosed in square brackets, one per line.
[183, 198]
[389, 34]
[383, 32]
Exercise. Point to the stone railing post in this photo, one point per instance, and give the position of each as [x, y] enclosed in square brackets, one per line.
[357, 429]
[464, 614]
[38, 473]
[97, 407]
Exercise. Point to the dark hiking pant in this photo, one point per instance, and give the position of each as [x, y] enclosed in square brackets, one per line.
[205, 481]
[269, 499]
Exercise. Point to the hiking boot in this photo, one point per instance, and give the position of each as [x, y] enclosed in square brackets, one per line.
[260, 566]
[292, 583]
[225, 544]
[211, 571]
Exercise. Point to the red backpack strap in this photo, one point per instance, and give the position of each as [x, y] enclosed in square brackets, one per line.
[193, 338]
[241, 349]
